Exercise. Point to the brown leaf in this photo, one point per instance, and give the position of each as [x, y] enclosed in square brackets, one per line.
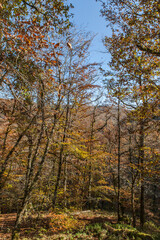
[56, 45]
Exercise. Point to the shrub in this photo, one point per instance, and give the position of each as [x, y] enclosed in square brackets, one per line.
[62, 222]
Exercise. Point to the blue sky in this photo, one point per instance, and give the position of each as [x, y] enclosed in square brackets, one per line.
[87, 17]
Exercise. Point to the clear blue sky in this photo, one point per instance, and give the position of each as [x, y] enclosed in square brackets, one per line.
[87, 17]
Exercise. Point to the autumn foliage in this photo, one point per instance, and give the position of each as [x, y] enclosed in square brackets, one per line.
[62, 144]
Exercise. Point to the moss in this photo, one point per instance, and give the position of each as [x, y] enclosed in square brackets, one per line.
[127, 233]
[144, 236]
[150, 226]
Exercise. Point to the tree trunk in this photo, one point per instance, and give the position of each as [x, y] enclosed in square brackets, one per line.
[90, 160]
[133, 206]
[119, 162]
[20, 215]
[61, 158]
[133, 179]
[58, 178]
[65, 183]
[154, 198]
[141, 160]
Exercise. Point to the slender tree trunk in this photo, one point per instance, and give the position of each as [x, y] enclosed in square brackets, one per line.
[61, 154]
[154, 198]
[133, 205]
[58, 178]
[119, 162]
[65, 183]
[90, 181]
[141, 160]
[66, 126]
[90, 186]
[19, 217]
[84, 192]
[90, 160]
[133, 180]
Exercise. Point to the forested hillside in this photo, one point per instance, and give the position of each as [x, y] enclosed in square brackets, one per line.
[79, 145]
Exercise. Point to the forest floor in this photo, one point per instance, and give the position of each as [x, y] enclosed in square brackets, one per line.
[76, 225]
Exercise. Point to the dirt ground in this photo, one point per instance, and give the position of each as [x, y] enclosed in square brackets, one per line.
[84, 217]
[6, 225]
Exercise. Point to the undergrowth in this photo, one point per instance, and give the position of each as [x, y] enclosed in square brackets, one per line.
[67, 227]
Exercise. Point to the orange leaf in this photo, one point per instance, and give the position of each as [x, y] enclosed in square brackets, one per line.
[57, 45]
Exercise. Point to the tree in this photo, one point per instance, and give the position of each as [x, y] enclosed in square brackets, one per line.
[137, 18]
[24, 48]
[134, 47]
[76, 80]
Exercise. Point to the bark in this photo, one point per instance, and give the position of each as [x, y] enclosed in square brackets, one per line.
[90, 163]
[133, 205]
[61, 160]
[141, 159]
[119, 162]
[66, 126]
[154, 198]
[58, 177]
[19, 217]
[65, 183]
[133, 180]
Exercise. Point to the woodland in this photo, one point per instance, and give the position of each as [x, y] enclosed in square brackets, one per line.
[79, 144]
